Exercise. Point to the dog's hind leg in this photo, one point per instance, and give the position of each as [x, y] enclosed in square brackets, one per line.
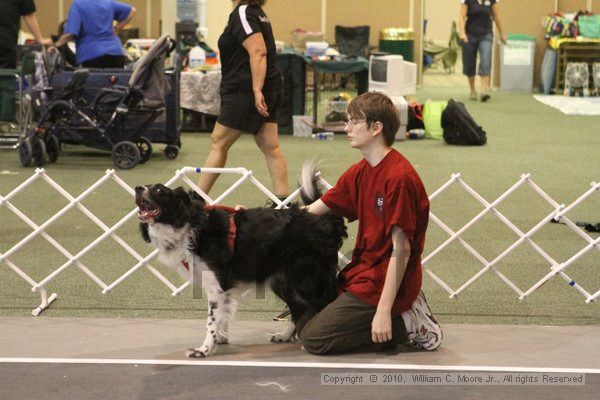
[281, 288]
[286, 334]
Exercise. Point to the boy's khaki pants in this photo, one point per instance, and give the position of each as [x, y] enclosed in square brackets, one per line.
[344, 326]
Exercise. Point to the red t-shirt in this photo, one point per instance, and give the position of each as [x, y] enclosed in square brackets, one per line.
[381, 197]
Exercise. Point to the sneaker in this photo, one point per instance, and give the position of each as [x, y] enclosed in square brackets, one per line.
[485, 97]
[473, 96]
[426, 333]
[271, 204]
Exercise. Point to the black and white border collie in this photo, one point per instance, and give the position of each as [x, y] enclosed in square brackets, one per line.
[229, 252]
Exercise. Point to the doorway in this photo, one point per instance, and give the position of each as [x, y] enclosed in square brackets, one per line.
[442, 58]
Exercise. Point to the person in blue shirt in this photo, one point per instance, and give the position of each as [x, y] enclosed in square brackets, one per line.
[90, 24]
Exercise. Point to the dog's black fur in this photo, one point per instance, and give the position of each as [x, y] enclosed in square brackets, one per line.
[293, 251]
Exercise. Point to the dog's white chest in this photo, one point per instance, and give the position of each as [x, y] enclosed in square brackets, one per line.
[171, 243]
[174, 251]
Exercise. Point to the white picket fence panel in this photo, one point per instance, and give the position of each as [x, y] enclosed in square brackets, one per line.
[559, 213]
[556, 268]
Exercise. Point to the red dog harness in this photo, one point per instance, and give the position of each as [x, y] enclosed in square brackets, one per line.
[232, 228]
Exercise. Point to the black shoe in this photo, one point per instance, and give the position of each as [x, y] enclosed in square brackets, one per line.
[271, 204]
[485, 97]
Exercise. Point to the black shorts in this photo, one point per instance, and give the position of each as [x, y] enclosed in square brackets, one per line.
[105, 61]
[8, 58]
[238, 110]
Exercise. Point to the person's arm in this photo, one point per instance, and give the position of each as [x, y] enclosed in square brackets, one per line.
[462, 20]
[65, 38]
[257, 52]
[381, 327]
[121, 24]
[34, 27]
[498, 20]
[318, 208]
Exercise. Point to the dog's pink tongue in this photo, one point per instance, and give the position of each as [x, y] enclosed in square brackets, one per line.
[148, 214]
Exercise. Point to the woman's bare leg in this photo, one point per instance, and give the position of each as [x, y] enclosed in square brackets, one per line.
[485, 84]
[221, 139]
[268, 142]
[472, 87]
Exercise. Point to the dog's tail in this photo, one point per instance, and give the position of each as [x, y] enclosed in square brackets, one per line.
[308, 182]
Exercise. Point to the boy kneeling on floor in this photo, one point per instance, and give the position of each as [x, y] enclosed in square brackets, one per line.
[381, 303]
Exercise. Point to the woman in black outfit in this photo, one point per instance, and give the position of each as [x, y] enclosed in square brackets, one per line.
[251, 92]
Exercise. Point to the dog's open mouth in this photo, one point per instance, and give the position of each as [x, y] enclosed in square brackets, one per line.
[147, 210]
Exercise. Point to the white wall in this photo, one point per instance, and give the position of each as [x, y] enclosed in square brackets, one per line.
[439, 15]
[217, 12]
[168, 9]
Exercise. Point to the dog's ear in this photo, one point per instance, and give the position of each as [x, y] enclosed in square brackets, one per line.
[144, 232]
[182, 196]
[196, 198]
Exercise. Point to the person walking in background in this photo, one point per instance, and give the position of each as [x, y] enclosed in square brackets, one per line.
[381, 303]
[251, 93]
[11, 12]
[90, 24]
[476, 35]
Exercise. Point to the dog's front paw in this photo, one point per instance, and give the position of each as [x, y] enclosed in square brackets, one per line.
[201, 352]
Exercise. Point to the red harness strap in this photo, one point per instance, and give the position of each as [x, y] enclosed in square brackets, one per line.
[232, 228]
[232, 232]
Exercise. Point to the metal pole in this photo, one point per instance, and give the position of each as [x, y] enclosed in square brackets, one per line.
[148, 18]
[324, 17]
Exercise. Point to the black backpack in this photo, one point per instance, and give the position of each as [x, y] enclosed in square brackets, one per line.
[459, 127]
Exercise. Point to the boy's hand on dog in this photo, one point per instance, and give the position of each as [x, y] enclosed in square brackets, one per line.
[381, 327]
[239, 207]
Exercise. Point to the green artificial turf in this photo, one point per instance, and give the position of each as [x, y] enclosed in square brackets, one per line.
[524, 136]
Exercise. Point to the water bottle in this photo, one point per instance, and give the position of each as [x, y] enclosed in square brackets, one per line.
[323, 135]
[197, 57]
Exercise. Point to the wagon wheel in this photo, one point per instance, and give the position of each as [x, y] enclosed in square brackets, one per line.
[145, 147]
[38, 148]
[125, 155]
[52, 148]
[171, 152]
[25, 152]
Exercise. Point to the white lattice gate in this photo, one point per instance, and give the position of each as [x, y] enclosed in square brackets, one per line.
[555, 268]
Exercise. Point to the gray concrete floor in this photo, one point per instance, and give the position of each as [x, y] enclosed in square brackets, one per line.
[464, 345]
[115, 354]
[147, 382]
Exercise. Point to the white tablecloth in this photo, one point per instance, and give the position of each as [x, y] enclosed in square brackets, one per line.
[199, 91]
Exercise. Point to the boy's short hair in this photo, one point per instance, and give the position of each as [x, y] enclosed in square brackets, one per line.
[254, 2]
[373, 107]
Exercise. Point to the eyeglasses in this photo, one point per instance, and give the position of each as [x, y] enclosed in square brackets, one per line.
[351, 123]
